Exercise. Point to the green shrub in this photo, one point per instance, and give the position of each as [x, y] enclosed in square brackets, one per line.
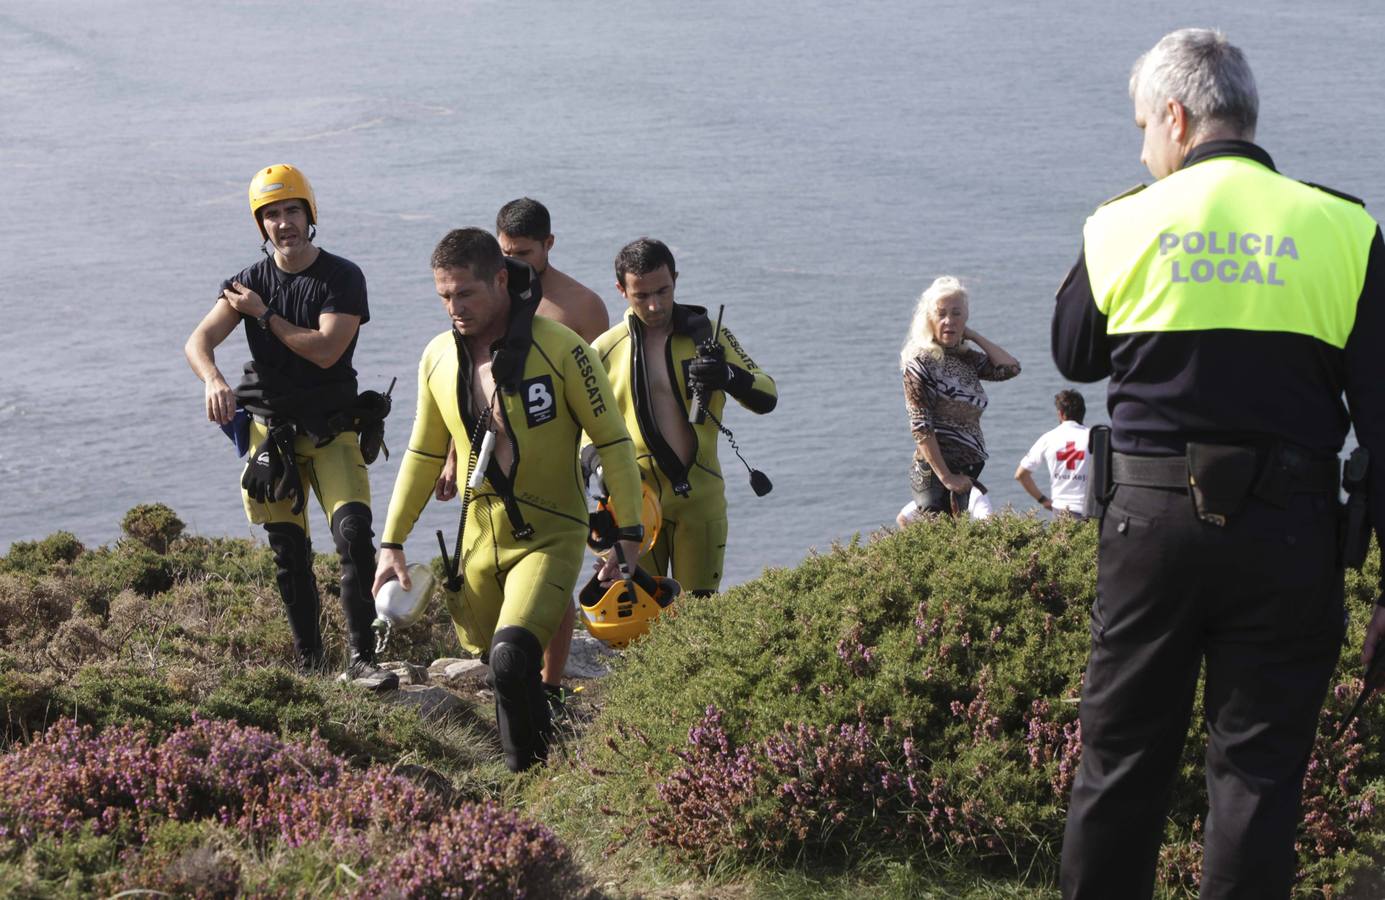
[40, 557]
[914, 697]
[152, 525]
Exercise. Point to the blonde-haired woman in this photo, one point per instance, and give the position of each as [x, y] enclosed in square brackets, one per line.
[944, 396]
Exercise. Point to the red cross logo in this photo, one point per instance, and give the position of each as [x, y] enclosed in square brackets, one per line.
[1071, 455]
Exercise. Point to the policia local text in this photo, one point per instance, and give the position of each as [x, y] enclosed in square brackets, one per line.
[1228, 271]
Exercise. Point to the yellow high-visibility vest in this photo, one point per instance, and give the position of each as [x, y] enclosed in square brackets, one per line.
[1228, 243]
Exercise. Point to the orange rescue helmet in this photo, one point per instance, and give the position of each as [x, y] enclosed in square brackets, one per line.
[280, 182]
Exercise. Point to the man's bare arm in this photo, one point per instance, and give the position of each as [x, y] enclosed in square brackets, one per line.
[1026, 480]
[322, 346]
[200, 349]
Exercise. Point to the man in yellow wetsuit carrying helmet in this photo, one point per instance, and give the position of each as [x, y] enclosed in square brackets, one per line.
[303, 308]
[655, 359]
[513, 392]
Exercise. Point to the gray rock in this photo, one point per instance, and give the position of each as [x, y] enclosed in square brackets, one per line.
[466, 670]
[460, 674]
[590, 658]
[408, 672]
[431, 701]
[438, 666]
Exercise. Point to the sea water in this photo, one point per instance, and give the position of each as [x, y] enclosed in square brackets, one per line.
[813, 166]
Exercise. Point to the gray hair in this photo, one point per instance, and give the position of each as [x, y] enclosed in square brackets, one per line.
[1204, 72]
[920, 340]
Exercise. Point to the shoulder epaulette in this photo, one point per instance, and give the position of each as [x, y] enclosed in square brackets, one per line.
[1135, 190]
[1327, 190]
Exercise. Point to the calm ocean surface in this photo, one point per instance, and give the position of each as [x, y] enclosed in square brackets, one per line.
[813, 166]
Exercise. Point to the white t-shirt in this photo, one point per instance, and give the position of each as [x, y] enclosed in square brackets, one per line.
[1063, 451]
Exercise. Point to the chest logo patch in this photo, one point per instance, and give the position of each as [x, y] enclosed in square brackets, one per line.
[539, 404]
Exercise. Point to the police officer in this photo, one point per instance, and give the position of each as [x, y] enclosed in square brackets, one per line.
[1231, 307]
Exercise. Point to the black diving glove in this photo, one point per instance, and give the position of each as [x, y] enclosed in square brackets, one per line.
[709, 374]
[264, 468]
[289, 485]
[372, 408]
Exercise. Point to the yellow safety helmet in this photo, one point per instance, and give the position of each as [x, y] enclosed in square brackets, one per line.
[623, 612]
[651, 515]
[280, 182]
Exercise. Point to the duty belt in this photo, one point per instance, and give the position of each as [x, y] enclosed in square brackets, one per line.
[1303, 474]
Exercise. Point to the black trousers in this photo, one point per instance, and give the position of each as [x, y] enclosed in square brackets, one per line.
[932, 496]
[1259, 604]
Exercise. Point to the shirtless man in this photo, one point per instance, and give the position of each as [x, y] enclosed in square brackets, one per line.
[525, 232]
[655, 358]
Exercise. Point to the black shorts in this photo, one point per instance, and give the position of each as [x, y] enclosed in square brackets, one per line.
[929, 493]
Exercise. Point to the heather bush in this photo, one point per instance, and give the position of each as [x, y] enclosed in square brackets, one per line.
[185, 859]
[478, 850]
[913, 696]
[180, 814]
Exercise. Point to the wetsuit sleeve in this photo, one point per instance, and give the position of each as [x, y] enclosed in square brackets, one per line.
[749, 384]
[593, 404]
[1081, 346]
[1365, 381]
[418, 473]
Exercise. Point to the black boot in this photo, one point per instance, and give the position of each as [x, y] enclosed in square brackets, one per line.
[363, 672]
[312, 663]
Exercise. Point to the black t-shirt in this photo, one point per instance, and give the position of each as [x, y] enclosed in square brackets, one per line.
[331, 284]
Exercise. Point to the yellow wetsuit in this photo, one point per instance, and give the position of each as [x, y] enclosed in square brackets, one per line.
[526, 529]
[336, 473]
[692, 539]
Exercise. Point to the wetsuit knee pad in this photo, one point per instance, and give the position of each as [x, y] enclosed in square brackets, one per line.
[521, 710]
[351, 530]
[515, 655]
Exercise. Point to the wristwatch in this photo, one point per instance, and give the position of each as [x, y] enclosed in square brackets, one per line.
[264, 317]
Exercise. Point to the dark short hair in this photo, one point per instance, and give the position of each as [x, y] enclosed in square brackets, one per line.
[470, 248]
[524, 218]
[1071, 406]
[642, 256]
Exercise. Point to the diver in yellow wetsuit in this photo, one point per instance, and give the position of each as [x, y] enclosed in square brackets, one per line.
[653, 361]
[535, 386]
